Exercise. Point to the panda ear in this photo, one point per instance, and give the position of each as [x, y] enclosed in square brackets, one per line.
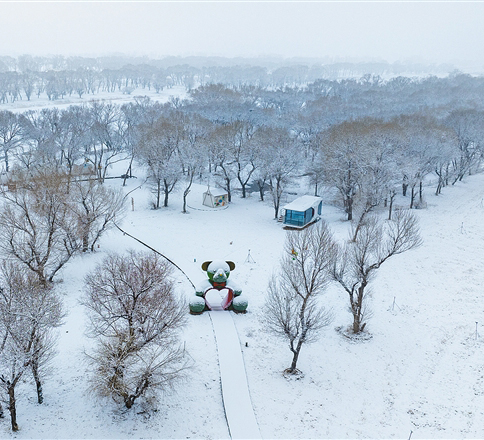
[205, 265]
[231, 264]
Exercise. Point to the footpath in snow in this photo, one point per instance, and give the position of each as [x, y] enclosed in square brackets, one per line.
[235, 391]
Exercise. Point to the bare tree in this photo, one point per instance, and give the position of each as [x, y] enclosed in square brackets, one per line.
[135, 115]
[277, 162]
[380, 175]
[293, 308]
[42, 129]
[106, 143]
[222, 158]
[28, 83]
[11, 127]
[36, 226]
[13, 364]
[29, 311]
[135, 317]
[158, 149]
[359, 260]
[95, 208]
[344, 150]
[74, 138]
[420, 154]
[357, 160]
[193, 151]
[263, 162]
[242, 150]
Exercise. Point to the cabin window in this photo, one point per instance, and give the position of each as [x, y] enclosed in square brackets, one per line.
[295, 218]
[308, 215]
[320, 208]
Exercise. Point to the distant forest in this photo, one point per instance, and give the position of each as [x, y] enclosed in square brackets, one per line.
[363, 129]
[56, 77]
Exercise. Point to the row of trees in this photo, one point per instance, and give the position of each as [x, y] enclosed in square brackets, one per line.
[311, 259]
[27, 77]
[45, 219]
[364, 160]
[244, 144]
[57, 85]
[48, 218]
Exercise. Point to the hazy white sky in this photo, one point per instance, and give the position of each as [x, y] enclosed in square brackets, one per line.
[427, 31]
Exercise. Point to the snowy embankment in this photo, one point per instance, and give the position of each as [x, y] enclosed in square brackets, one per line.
[422, 371]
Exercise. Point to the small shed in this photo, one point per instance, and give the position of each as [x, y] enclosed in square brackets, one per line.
[215, 198]
[303, 211]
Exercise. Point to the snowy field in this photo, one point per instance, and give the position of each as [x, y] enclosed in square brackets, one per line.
[117, 97]
[421, 374]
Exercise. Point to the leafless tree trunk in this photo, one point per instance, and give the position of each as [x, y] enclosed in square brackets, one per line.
[38, 381]
[12, 402]
[36, 227]
[188, 184]
[292, 308]
[9, 378]
[391, 196]
[29, 311]
[261, 183]
[365, 210]
[358, 261]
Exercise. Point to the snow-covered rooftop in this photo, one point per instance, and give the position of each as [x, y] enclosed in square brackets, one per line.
[302, 203]
[215, 191]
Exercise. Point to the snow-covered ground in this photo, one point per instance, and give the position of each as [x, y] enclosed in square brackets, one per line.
[117, 97]
[421, 373]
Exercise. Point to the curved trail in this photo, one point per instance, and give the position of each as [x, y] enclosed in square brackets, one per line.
[157, 252]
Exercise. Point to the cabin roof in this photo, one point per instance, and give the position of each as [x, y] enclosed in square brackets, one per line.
[215, 191]
[302, 203]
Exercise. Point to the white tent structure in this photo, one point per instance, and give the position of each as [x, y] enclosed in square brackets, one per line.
[215, 198]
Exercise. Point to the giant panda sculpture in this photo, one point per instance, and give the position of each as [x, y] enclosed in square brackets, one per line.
[218, 273]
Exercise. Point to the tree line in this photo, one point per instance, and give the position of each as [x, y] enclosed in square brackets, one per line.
[255, 139]
[28, 77]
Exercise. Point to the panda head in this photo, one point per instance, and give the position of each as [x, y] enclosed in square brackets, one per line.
[218, 271]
